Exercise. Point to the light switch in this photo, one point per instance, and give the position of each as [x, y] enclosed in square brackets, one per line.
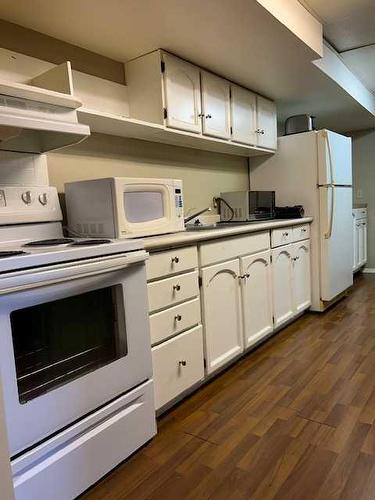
[3, 202]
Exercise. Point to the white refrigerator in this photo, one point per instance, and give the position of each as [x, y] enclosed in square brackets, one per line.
[314, 169]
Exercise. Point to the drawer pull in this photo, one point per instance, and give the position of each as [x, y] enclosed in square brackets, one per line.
[182, 362]
[295, 258]
[285, 234]
[303, 230]
[178, 317]
[177, 287]
[175, 260]
[244, 276]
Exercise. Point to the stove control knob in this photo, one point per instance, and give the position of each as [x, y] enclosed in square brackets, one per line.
[27, 197]
[43, 199]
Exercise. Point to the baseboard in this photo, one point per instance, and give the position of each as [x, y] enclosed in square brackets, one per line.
[369, 270]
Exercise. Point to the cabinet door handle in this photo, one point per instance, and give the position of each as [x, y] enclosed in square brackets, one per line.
[363, 223]
[285, 234]
[182, 362]
[208, 116]
[175, 260]
[303, 230]
[200, 115]
[177, 287]
[178, 317]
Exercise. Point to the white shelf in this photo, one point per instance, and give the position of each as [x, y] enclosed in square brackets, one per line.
[107, 123]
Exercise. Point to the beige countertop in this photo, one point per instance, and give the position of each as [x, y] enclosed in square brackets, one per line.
[190, 237]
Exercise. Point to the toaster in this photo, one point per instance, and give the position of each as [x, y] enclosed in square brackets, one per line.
[299, 123]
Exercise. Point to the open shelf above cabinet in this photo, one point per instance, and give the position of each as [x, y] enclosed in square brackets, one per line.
[107, 123]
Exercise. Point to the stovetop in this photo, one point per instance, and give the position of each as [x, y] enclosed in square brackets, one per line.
[22, 254]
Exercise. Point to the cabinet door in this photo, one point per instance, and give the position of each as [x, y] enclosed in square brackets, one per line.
[282, 281]
[363, 242]
[301, 276]
[256, 297]
[215, 105]
[182, 94]
[355, 244]
[243, 115]
[266, 123]
[221, 310]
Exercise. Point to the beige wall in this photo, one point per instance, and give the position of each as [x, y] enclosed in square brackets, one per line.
[364, 180]
[204, 174]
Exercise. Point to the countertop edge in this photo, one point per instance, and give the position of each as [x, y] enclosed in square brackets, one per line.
[185, 238]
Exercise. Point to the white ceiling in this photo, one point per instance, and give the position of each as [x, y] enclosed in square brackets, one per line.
[237, 39]
[349, 25]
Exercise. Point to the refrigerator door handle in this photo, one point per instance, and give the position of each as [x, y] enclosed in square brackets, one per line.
[328, 234]
[326, 136]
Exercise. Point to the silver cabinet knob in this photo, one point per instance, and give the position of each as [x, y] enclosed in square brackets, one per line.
[178, 317]
[200, 115]
[175, 260]
[208, 116]
[177, 287]
[182, 362]
[43, 199]
[27, 197]
[286, 234]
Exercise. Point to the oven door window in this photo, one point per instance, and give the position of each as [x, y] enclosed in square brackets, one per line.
[143, 206]
[56, 342]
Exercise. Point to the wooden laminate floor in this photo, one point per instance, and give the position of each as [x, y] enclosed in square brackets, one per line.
[294, 420]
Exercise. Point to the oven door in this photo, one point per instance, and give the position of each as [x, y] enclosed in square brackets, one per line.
[72, 337]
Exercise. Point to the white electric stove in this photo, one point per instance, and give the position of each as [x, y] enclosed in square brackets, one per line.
[75, 352]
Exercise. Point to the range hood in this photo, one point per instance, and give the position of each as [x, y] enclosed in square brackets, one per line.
[36, 120]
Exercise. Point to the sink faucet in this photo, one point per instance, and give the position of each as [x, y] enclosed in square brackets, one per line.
[191, 217]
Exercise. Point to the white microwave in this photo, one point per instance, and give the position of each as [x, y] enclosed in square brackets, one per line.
[124, 207]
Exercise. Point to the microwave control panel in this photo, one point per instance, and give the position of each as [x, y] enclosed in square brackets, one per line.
[178, 202]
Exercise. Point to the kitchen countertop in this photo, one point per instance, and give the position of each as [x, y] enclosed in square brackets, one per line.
[190, 237]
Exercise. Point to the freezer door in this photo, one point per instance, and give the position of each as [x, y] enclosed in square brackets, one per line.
[336, 235]
[334, 159]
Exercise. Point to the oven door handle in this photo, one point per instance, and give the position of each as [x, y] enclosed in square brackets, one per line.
[36, 278]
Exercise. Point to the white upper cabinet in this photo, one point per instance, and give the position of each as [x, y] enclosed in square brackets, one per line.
[182, 94]
[266, 123]
[221, 312]
[215, 105]
[301, 276]
[243, 115]
[282, 274]
[256, 297]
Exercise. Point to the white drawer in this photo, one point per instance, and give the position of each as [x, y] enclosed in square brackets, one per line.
[171, 261]
[177, 365]
[166, 323]
[359, 213]
[301, 232]
[230, 248]
[282, 236]
[169, 291]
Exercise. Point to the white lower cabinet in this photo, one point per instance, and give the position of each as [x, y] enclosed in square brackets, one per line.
[221, 313]
[256, 297]
[177, 365]
[291, 281]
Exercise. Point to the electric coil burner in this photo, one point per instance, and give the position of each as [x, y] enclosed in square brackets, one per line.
[11, 253]
[49, 242]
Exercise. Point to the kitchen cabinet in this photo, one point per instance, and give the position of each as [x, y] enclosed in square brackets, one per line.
[243, 115]
[179, 96]
[215, 105]
[359, 238]
[266, 123]
[256, 297]
[182, 95]
[221, 313]
[291, 281]
[282, 277]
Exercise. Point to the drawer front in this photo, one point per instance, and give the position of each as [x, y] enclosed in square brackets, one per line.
[230, 248]
[359, 213]
[282, 236]
[93, 446]
[173, 320]
[177, 365]
[171, 262]
[173, 290]
[301, 232]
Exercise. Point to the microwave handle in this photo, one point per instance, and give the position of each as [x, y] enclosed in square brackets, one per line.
[31, 279]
